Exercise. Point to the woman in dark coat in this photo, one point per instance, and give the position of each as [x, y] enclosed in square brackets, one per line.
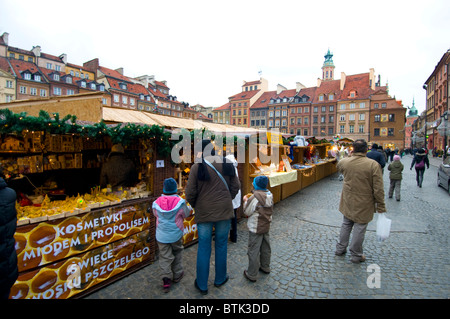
[8, 257]
[419, 161]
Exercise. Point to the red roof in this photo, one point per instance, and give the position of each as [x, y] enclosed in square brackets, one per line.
[360, 83]
[19, 66]
[226, 106]
[246, 95]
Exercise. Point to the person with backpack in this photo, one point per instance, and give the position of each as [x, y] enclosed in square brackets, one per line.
[419, 161]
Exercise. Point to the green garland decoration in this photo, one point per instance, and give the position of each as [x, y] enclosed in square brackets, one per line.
[124, 133]
[17, 123]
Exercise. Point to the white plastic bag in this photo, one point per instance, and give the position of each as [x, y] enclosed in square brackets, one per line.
[383, 227]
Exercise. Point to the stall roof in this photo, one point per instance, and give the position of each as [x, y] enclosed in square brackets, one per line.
[133, 116]
[122, 115]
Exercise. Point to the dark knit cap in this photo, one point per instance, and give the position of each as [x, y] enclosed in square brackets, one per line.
[170, 186]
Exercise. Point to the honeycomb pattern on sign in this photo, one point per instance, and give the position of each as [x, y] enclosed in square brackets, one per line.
[50, 241]
[55, 281]
[190, 232]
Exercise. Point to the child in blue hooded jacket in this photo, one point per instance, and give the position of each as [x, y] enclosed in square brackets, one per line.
[170, 210]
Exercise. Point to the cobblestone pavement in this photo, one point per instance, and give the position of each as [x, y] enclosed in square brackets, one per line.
[413, 263]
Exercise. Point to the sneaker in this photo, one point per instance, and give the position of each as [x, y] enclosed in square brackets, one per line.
[357, 261]
[246, 276]
[175, 280]
[337, 253]
[166, 284]
[264, 271]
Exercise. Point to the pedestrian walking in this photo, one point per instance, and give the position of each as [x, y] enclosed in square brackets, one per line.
[420, 160]
[259, 209]
[236, 203]
[170, 210]
[362, 195]
[395, 177]
[211, 186]
[377, 155]
[8, 257]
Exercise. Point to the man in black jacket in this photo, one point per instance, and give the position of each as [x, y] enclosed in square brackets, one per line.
[8, 257]
[376, 156]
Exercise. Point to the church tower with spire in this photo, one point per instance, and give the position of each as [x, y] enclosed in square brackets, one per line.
[328, 67]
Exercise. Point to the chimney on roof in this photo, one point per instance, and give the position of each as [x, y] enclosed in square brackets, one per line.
[299, 86]
[5, 37]
[120, 70]
[319, 82]
[343, 77]
[372, 78]
[92, 65]
[36, 51]
[280, 88]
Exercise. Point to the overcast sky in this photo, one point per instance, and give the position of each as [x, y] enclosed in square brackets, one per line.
[206, 49]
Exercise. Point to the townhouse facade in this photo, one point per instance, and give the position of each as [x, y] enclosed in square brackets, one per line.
[437, 96]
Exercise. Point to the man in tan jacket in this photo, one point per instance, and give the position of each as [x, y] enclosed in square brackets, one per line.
[362, 195]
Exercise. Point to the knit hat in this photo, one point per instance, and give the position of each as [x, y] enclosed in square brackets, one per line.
[396, 158]
[170, 186]
[260, 182]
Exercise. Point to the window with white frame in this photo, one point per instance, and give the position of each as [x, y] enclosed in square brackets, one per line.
[124, 100]
[27, 76]
[9, 84]
[362, 105]
[56, 91]
[43, 92]
[351, 117]
[37, 78]
[23, 90]
[33, 91]
[116, 98]
[342, 117]
[362, 116]
[351, 129]
[342, 107]
[361, 129]
[341, 128]
[352, 105]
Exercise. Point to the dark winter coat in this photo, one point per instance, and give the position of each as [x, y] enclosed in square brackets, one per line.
[395, 168]
[117, 171]
[8, 220]
[211, 199]
[377, 156]
[418, 158]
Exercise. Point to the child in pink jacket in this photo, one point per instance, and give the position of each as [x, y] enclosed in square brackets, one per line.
[170, 210]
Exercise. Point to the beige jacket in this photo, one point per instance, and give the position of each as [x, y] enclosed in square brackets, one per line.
[363, 189]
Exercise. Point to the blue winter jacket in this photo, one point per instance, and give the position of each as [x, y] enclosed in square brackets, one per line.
[170, 212]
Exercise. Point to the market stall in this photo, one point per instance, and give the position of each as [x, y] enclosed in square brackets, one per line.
[73, 237]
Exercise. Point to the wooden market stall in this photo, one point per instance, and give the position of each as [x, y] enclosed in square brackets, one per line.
[71, 247]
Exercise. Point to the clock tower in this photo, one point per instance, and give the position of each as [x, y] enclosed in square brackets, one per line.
[328, 67]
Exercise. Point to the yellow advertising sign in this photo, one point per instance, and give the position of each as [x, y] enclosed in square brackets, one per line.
[47, 242]
[274, 138]
[68, 277]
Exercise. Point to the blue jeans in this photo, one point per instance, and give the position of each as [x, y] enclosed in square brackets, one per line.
[222, 228]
